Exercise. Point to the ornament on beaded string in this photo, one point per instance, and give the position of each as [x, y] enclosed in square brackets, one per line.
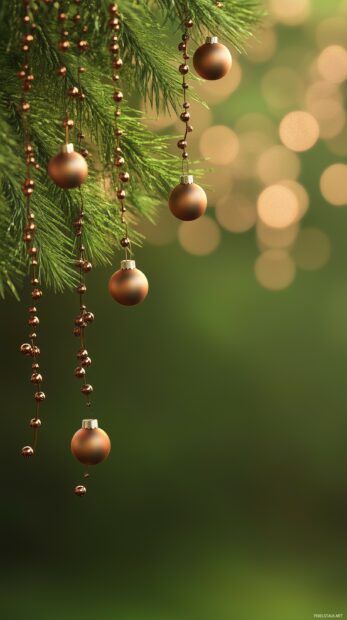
[187, 200]
[212, 60]
[68, 169]
[90, 445]
[30, 349]
[128, 285]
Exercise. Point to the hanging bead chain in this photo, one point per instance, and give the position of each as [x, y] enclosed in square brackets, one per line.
[31, 349]
[119, 161]
[184, 70]
[83, 265]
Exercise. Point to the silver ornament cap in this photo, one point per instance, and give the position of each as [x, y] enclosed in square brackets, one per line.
[128, 264]
[67, 148]
[211, 40]
[90, 424]
[187, 179]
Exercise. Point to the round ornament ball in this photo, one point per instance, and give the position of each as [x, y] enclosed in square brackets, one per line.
[90, 444]
[68, 169]
[128, 286]
[188, 200]
[212, 60]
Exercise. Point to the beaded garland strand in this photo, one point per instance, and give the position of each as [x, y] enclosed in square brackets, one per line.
[90, 444]
[188, 200]
[128, 286]
[30, 349]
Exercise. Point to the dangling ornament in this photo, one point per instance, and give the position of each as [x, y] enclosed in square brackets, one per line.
[68, 169]
[188, 200]
[30, 348]
[128, 285]
[90, 445]
[212, 60]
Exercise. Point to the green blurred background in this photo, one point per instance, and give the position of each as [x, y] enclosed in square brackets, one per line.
[224, 496]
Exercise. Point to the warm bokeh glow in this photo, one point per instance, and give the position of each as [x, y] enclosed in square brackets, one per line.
[299, 131]
[276, 238]
[236, 213]
[278, 206]
[275, 269]
[200, 237]
[332, 64]
[333, 184]
[312, 249]
[290, 12]
[332, 31]
[219, 144]
[278, 163]
[300, 193]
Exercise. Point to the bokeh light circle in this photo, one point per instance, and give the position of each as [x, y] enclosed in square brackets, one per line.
[275, 269]
[299, 131]
[332, 64]
[236, 213]
[219, 144]
[200, 237]
[333, 184]
[277, 163]
[278, 206]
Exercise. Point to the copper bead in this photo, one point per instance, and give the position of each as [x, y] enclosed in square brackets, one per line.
[188, 201]
[90, 446]
[80, 490]
[27, 451]
[128, 286]
[212, 61]
[35, 423]
[68, 170]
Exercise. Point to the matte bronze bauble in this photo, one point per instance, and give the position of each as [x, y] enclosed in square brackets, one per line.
[212, 60]
[90, 444]
[188, 201]
[128, 285]
[68, 169]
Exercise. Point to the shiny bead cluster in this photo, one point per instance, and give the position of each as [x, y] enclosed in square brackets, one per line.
[185, 114]
[30, 348]
[119, 161]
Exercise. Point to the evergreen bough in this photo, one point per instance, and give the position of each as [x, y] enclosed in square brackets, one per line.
[149, 37]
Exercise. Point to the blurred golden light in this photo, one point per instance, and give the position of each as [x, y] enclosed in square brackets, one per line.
[278, 163]
[333, 184]
[300, 193]
[321, 90]
[276, 238]
[331, 117]
[332, 31]
[275, 269]
[332, 64]
[290, 12]
[219, 144]
[164, 231]
[236, 213]
[312, 249]
[263, 46]
[200, 237]
[299, 131]
[282, 87]
[278, 206]
[219, 90]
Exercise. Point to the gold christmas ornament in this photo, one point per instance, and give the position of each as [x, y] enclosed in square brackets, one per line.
[68, 169]
[128, 286]
[90, 444]
[212, 60]
[188, 200]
